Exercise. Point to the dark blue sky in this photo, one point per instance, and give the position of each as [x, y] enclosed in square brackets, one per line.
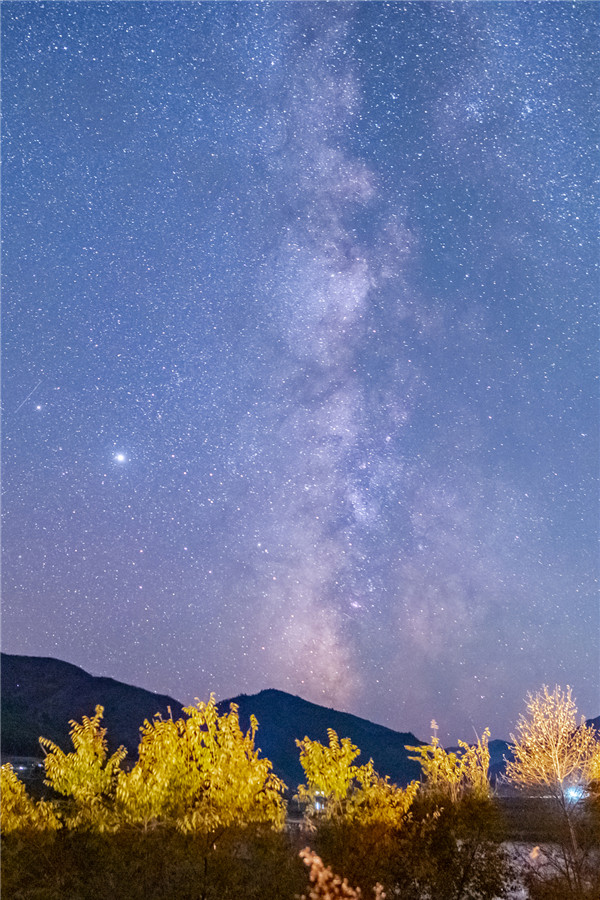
[300, 350]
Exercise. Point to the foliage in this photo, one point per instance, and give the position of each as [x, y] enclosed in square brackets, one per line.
[86, 776]
[594, 772]
[552, 751]
[200, 797]
[436, 838]
[356, 815]
[451, 776]
[329, 771]
[454, 850]
[377, 802]
[198, 793]
[326, 885]
[558, 756]
[592, 801]
[18, 811]
[201, 774]
[338, 790]
[153, 865]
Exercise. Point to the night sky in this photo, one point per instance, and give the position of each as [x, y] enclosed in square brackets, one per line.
[300, 351]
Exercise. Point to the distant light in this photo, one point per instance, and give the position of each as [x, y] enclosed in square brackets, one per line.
[120, 457]
[574, 793]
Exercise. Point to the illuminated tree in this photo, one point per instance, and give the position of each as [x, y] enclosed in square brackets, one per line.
[553, 751]
[337, 790]
[18, 811]
[455, 851]
[594, 781]
[329, 772]
[200, 774]
[452, 775]
[557, 756]
[356, 815]
[87, 776]
[199, 792]
[198, 781]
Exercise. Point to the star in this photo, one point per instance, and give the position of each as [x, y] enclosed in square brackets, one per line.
[322, 298]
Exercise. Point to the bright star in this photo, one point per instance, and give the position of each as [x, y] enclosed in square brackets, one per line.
[120, 457]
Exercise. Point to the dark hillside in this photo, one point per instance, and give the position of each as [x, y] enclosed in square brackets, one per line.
[40, 695]
[283, 717]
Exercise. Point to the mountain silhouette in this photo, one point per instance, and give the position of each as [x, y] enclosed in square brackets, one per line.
[40, 695]
[283, 718]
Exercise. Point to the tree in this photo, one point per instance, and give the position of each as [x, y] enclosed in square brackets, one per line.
[199, 791]
[356, 815]
[455, 852]
[18, 811]
[452, 776]
[87, 776]
[203, 777]
[338, 790]
[558, 757]
[201, 774]
[330, 773]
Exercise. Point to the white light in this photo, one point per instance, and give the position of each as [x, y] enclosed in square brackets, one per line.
[120, 457]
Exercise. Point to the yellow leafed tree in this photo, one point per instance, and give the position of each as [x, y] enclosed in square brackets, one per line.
[338, 790]
[330, 773]
[357, 816]
[201, 774]
[18, 811]
[453, 775]
[87, 775]
[458, 854]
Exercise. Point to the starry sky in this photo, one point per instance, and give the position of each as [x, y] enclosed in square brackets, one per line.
[300, 350]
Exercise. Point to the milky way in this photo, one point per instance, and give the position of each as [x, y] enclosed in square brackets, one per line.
[300, 353]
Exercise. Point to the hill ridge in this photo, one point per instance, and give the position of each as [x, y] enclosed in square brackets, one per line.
[40, 695]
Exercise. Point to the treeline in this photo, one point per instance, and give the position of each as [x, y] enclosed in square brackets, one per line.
[200, 814]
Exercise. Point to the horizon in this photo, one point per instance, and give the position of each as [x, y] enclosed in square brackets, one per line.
[448, 743]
